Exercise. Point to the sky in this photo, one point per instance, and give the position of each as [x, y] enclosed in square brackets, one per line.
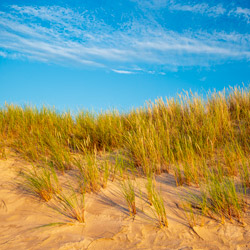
[104, 54]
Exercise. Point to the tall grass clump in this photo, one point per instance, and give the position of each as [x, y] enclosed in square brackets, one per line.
[90, 173]
[39, 135]
[181, 133]
[159, 208]
[156, 200]
[105, 173]
[185, 135]
[3, 155]
[190, 214]
[99, 132]
[128, 192]
[219, 199]
[150, 187]
[71, 205]
[41, 182]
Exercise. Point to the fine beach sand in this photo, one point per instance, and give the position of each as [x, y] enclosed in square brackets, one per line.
[25, 221]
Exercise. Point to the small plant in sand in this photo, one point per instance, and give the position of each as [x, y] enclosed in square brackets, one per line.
[245, 173]
[159, 209]
[89, 177]
[224, 200]
[156, 200]
[3, 154]
[78, 162]
[120, 166]
[43, 183]
[72, 206]
[105, 174]
[219, 198]
[150, 186]
[92, 175]
[179, 180]
[190, 214]
[128, 191]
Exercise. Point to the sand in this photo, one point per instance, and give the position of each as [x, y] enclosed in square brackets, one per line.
[25, 221]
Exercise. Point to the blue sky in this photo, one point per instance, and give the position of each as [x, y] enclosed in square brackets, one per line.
[117, 54]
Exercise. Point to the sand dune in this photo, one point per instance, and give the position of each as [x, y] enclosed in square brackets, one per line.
[25, 221]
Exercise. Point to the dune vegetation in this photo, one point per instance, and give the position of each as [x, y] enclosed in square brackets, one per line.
[202, 142]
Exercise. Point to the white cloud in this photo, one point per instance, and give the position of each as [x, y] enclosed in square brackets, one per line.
[241, 12]
[202, 8]
[83, 38]
[3, 54]
[152, 4]
[122, 71]
[192, 6]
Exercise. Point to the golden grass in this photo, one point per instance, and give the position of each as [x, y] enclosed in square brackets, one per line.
[189, 136]
[41, 182]
[128, 192]
[71, 205]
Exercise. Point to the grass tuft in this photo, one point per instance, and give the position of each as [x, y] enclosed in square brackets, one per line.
[41, 182]
[159, 208]
[71, 206]
[128, 191]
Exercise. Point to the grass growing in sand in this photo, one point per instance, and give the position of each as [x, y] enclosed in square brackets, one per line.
[203, 142]
[156, 201]
[128, 192]
[159, 208]
[219, 198]
[41, 182]
[150, 187]
[71, 205]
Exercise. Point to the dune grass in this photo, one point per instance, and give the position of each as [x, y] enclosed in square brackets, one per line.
[105, 173]
[159, 209]
[156, 201]
[150, 187]
[128, 192]
[41, 182]
[221, 198]
[190, 215]
[71, 205]
[189, 136]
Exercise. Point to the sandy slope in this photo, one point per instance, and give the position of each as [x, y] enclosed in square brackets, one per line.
[108, 224]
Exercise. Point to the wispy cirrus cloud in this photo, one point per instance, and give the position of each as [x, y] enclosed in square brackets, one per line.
[61, 35]
[241, 12]
[3, 54]
[196, 7]
[201, 8]
[153, 4]
[123, 71]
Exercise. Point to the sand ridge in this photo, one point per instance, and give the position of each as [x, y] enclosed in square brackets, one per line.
[25, 221]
